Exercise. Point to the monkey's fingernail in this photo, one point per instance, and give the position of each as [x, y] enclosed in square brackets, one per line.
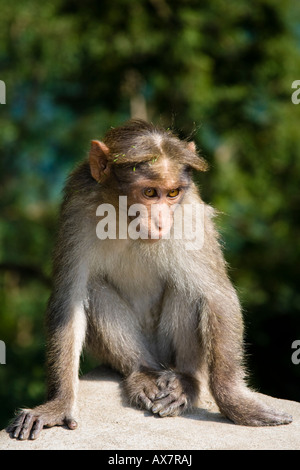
[163, 413]
[156, 408]
[161, 394]
[71, 423]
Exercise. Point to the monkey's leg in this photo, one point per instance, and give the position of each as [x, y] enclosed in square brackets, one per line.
[179, 387]
[116, 336]
[221, 325]
[65, 341]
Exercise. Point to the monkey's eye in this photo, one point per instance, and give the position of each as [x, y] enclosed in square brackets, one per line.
[173, 193]
[150, 192]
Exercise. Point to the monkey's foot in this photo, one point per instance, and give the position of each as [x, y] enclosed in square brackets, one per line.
[252, 412]
[141, 388]
[178, 393]
[29, 423]
[261, 416]
[271, 417]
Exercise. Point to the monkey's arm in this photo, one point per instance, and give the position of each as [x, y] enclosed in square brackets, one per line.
[221, 328]
[66, 329]
[63, 362]
[221, 315]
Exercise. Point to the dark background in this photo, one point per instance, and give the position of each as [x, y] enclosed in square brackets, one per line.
[217, 71]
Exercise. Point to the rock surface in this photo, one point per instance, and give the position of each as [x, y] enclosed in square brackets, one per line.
[105, 421]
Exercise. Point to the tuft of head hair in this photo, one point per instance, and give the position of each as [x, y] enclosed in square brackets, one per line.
[139, 141]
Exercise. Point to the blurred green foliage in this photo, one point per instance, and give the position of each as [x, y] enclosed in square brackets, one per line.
[218, 71]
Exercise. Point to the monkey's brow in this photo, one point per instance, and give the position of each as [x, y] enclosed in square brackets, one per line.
[135, 169]
[167, 181]
[135, 172]
[151, 171]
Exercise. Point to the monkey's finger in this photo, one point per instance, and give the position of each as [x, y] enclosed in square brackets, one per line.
[175, 408]
[16, 426]
[27, 426]
[172, 410]
[170, 406]
[71, 423]
[162, 383]
[12, 425]
[37, 427]
[144, 401]
[163, 403]
[167, 380]
[152, 394]
[162, 394]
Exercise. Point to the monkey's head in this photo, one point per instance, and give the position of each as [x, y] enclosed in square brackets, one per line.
[151, 166]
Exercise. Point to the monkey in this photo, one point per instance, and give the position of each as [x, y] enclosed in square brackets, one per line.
[158, 311]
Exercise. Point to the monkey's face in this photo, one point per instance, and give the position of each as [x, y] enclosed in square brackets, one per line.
[156, 209]
[154, 191]
[153, 172]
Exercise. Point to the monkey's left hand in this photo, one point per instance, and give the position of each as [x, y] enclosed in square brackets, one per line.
[178, 392]
[141, 389]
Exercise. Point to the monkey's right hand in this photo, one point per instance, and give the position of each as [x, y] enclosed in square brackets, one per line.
[29, 423]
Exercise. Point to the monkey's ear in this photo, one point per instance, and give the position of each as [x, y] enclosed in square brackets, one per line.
[192, 146]
[196, 162]
[98, 159]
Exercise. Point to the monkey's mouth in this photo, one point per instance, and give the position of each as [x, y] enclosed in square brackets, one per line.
[158, 234]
